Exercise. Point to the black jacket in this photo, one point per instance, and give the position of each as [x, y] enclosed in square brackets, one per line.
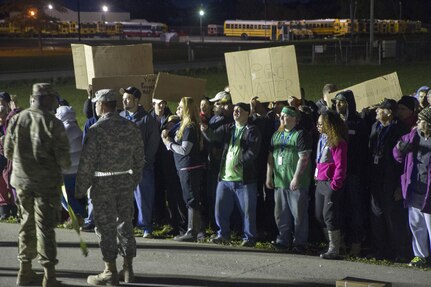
[388, 171]
[249, 145]
[357, 142]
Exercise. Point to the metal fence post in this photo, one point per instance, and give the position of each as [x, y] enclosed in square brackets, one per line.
[312, 54]
[380, 52]
[335, 53]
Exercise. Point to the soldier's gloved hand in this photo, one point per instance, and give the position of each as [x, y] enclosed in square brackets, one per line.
[404, 147]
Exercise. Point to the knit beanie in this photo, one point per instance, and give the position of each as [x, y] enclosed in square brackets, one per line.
[425, 115]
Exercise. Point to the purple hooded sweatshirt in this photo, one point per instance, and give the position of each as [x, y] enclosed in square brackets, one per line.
[408, 160]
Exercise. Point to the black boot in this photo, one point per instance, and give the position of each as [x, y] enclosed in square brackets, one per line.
[193, 226]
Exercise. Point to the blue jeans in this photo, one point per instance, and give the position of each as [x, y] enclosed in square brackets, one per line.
[244, 196]
[144, 197]
[291, 216]
[77, 205]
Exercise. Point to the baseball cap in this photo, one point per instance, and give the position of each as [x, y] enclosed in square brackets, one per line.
[135, 92]
[158, 101]
[389, 104]
[244, 106]
[219, 96]
[409, 102]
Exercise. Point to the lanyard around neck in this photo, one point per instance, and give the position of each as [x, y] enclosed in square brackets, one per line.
[234, 136]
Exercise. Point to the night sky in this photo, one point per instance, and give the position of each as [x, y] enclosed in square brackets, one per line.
[185, 12]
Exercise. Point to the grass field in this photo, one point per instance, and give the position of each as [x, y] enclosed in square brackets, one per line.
[312, 78]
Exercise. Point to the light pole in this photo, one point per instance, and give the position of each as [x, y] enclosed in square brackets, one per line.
[371, 28]
[79, 20]
[105, 10]
[50, 7]
[201, 15]
[401, 9]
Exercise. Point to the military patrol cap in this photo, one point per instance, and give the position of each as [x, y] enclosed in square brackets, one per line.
[43, 89]
[105, 95]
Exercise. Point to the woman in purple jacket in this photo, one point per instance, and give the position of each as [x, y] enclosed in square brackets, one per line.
[414, 150]
[330, 175]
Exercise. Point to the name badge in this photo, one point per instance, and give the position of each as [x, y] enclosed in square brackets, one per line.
[376, 159]
[229, 156]
[280, 160]
[316, 172]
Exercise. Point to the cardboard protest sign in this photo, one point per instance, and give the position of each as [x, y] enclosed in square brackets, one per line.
[270, 74]
[105, 61]
[161, 86]
[374, 91]
[173, 87]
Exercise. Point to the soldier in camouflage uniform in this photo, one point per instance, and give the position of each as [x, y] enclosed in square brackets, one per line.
[109, 169]
[37, 145]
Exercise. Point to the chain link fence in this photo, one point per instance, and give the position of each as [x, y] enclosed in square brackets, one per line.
[331, 52]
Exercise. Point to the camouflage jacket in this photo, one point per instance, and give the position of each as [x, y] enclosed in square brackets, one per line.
[112, 144]
[37, 144]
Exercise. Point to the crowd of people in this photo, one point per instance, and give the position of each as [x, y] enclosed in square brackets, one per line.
[289, 172]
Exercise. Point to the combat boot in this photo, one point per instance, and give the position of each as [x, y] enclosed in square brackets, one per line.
[334, 246]
[26, 275]
[127, 273]
[109, 276]
[49, 277]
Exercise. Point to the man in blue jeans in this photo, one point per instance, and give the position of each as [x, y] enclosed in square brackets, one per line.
[144, 192]
[238, 175]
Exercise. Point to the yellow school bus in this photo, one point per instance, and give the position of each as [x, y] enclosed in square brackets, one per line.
[326, 27]
[253, 29]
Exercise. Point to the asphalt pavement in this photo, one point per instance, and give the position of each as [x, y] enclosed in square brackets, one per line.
[164, 262]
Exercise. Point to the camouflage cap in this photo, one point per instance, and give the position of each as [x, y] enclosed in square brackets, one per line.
[43, 89]
[105, 95]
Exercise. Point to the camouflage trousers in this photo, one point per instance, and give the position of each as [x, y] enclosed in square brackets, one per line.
[39, 212]
[113, 201]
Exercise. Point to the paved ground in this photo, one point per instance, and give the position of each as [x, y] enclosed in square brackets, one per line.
[168, 263]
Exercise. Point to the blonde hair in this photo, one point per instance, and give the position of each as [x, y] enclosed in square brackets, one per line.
[189, 116]
[334, 127]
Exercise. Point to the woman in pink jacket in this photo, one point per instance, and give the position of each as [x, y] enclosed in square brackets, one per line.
[330, 175]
